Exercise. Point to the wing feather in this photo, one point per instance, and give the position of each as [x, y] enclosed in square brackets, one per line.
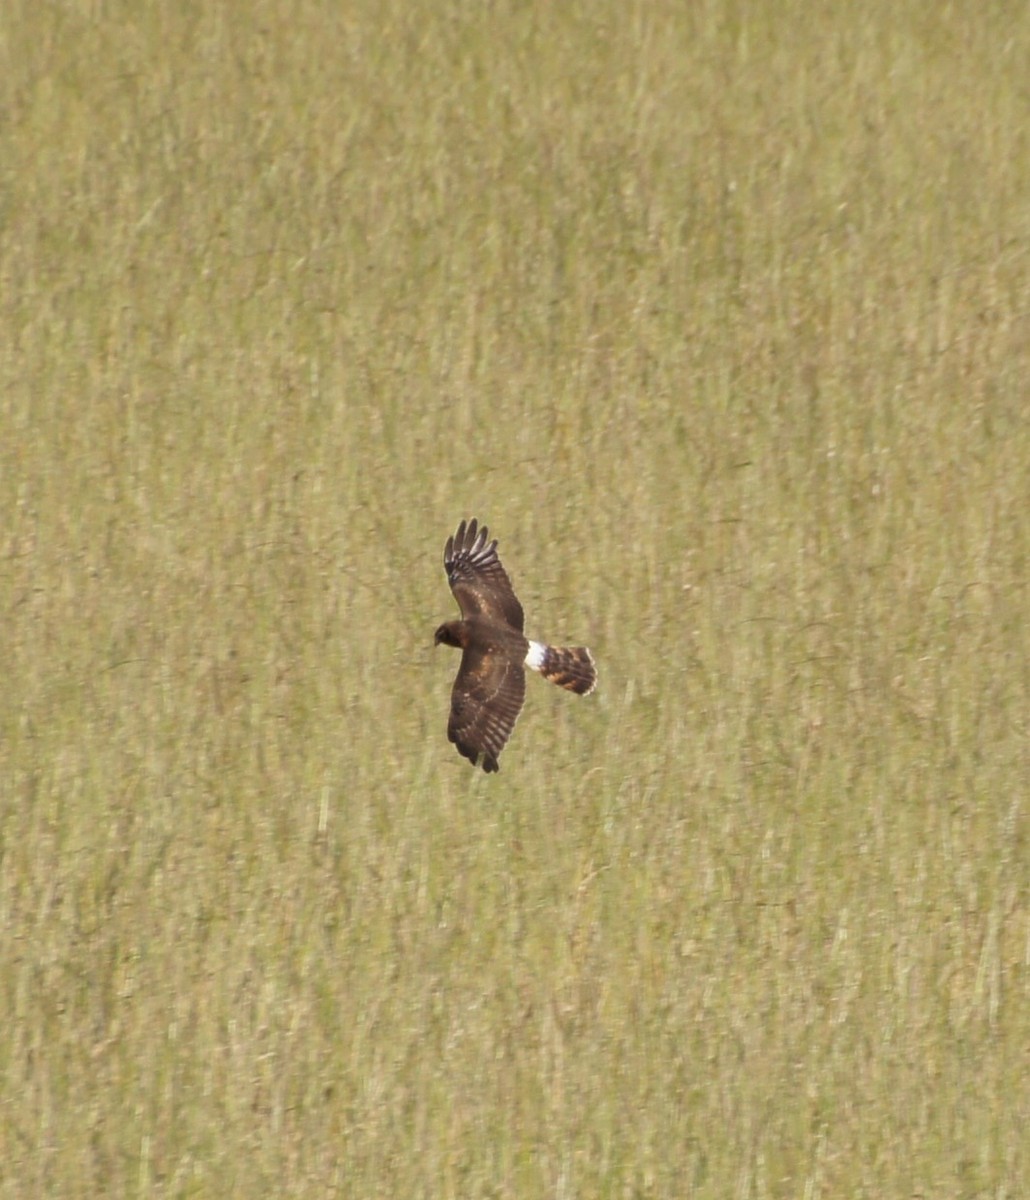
[485, 704]
[479, 583]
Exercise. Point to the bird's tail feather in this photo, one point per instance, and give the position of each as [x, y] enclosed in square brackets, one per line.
[570, 667]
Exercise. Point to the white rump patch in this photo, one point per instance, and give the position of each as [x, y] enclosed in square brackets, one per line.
[536, 655]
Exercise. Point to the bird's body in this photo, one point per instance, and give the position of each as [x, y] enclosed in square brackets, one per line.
[490, 687]
[484, 632]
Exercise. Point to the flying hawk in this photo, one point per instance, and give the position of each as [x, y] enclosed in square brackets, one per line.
[491, 683]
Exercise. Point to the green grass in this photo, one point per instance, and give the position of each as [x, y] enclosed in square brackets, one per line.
[717, 315]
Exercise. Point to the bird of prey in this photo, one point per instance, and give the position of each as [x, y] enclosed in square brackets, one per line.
[491, 683]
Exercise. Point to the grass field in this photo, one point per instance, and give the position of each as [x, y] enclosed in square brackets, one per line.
[719, 315]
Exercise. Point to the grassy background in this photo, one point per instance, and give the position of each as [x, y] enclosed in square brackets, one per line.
[718, 315]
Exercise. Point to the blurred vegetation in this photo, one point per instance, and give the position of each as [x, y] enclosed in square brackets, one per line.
[717, 314]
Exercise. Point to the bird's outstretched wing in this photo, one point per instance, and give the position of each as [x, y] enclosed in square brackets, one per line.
[485, 704]
[479, 583]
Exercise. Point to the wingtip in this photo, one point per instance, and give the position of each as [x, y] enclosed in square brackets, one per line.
[475, 535]
[478, 758]
[470, 537]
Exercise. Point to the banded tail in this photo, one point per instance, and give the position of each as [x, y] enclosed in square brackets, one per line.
[570, 667]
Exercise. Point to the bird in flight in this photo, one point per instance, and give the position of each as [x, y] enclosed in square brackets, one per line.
[491, 684]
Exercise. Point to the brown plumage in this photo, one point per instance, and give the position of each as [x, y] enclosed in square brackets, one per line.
[491, 683]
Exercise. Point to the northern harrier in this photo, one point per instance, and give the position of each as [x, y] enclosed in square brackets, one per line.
[491, 683]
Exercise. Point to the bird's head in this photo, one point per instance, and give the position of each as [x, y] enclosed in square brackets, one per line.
[446, 635]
